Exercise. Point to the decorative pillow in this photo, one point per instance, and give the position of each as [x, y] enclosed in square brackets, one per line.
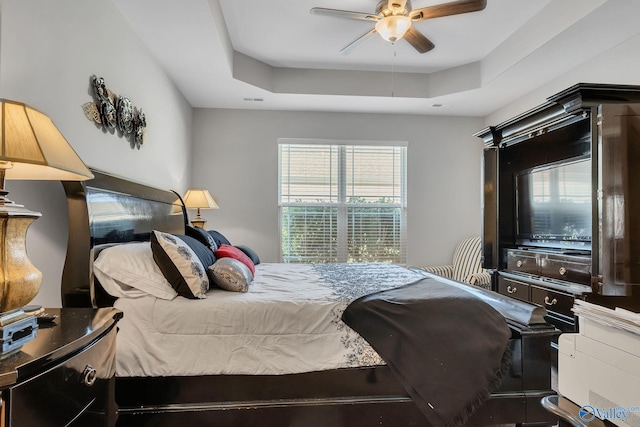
[227, 251]
[128, 270]
[179, 265]
[202, 236]
[231, 275]
[219, 238]
[204, 254]
[250, 253]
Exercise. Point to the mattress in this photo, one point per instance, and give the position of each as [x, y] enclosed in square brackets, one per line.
[289, 322]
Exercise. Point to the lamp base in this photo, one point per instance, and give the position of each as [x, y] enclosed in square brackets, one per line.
[19, 279]
[16, 329]
[198, 221]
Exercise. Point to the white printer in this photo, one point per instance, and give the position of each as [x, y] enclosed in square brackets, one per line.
[599, 368]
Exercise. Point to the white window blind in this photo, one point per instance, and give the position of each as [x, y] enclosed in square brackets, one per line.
[342, 203]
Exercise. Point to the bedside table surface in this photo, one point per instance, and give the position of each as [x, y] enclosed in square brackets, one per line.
[53, 342]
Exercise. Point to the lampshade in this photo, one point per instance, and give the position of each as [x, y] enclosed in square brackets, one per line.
[197, 198]
[393, 27]
[31, 148]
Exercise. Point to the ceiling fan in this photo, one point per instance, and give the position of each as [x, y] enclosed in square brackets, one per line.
[394, 20]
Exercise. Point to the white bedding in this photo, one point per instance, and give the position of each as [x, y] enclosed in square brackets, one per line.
[288, 322]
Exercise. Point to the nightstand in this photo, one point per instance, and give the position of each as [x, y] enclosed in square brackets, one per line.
[65, 375]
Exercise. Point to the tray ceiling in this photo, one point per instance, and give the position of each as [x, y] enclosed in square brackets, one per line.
[276, 55]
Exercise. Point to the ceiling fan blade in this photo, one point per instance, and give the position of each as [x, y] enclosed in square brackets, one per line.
[446, 9]
[418, 40]
[343, 14]
[348, 48]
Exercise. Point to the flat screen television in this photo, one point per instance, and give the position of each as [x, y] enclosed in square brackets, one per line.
[554, 205]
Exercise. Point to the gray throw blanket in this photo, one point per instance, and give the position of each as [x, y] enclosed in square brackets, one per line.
[446, 346]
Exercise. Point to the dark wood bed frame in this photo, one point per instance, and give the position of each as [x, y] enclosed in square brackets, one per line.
[108, 209]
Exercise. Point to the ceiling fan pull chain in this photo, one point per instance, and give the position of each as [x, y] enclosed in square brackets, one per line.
[393, 63]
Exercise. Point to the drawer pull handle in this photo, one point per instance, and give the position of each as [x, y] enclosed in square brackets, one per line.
[552, 302]
[512, 290]
[518, 263]
[562, 271]
[89, 375]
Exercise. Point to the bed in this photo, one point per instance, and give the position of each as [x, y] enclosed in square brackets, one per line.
[285, 381]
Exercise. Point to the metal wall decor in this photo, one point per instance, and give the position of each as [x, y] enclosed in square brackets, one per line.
[116, 113]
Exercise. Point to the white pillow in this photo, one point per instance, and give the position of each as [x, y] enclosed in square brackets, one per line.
[128, 270]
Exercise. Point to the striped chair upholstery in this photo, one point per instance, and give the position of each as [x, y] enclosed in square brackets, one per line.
[466, 266]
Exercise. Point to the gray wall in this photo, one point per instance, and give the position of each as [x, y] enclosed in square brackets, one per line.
[235, 157]
[48, 51]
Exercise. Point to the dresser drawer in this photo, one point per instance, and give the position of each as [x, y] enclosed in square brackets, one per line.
[522, 262]
[513, 288]
[78, 387]
[571, 270]
[553, 301]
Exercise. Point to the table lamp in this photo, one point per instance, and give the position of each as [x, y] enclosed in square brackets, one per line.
[197, 198]
[31, 148]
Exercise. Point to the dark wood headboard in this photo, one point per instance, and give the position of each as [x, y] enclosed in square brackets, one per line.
[106, 210]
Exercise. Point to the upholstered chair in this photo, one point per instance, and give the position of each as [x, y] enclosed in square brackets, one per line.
[466, 266]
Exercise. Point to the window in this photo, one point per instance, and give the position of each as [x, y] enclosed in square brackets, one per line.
[342, 203]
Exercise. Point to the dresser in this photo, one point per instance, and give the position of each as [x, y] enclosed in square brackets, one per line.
[65, 375]
[549, 279]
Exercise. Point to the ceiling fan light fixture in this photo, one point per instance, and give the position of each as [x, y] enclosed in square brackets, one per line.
[393, 27]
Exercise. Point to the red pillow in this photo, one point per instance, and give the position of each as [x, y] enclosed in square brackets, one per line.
[229, 251]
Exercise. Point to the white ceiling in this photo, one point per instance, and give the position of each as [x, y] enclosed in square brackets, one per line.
[275, 55]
